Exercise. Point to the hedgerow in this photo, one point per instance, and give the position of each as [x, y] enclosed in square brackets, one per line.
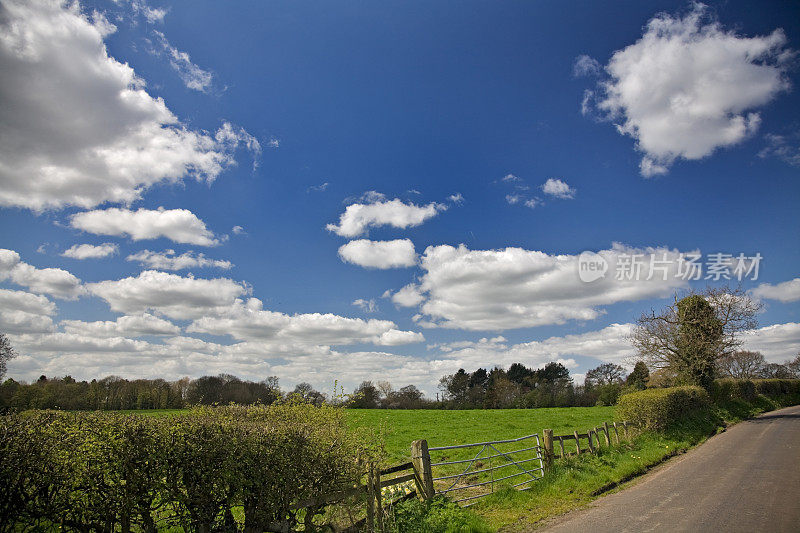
[212, 469]
[658, 409]
[782, 390]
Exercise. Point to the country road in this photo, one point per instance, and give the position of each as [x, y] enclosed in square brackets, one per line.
[745, 479]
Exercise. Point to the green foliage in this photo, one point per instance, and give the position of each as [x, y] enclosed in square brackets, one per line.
[698, 342]
[434, 516]
[101, 471]
[785, 391]
[658, 409]
[637, 379]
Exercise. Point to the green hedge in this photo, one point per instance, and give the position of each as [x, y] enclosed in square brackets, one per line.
[723, 390]
[212, 469]
[660, 408]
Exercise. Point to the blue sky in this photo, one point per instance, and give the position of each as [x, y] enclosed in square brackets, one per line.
[473, 149]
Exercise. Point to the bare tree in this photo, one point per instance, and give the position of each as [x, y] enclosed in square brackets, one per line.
[7, 353]
[741, 364]
[693, 332]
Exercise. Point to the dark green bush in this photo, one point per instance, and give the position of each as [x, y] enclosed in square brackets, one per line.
[774, 388]
[723, 390]
[107, 472]
[726, 390]
[660, 408]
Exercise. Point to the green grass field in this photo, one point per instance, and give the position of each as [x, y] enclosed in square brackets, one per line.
[445, 428]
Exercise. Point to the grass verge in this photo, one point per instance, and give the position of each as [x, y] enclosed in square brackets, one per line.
[576, 481]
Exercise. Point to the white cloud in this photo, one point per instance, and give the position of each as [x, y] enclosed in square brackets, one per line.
[513, 198]
[23, 312]
[585, 66]
[778, 342]
[788, 291]
[167, 260]
[90, 251]
[124, 326]
[318, 188]
[408, 296]
[368, 306]
[786, 149]
[169, 294]
[192, 76]
[151, 14]
[359, 217]
[456, 198]
[510, 178]
[54, 281]
[517, 288]
[533, 203]
[178, 225]
[248, 321]
[78, 127]
[689, 86]
[273, 142]
[559, 189]
[398, 253]
[238, 230]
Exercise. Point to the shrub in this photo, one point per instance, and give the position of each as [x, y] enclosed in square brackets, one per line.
[774, 388]
[107, 472]
[660, 408]
[723, 390]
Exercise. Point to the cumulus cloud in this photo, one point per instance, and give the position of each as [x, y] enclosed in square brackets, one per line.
[23, 312]
[517, 288]
[559, 189]
[359, 217]
[90, 251]
[398, 253]
[778, 342]
[788, 291]
[178, 225]
[124, 326]
[77, 126]
[248, 321]
[53, 281]
[408, 296]
[689, 87]
[167, 294]
[167, 260]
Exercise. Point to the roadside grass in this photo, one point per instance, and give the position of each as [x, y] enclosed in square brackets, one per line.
[576, 481]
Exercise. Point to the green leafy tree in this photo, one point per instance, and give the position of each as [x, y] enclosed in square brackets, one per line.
[693, 333]
[639, 376]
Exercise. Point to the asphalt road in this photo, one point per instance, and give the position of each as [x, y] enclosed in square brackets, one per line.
[745, 479]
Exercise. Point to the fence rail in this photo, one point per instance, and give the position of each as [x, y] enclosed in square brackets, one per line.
[473, 481]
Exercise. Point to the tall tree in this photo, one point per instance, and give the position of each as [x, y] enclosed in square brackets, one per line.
[7, 353]
[692, 333]
[639, 376]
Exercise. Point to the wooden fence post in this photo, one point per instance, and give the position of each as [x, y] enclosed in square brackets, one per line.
[421, 460]
[577, 443]
[605, 430]
[378, 498]
[561, 442]
[548, 449]
[591, 444]
[616, 432]
[371, 500]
